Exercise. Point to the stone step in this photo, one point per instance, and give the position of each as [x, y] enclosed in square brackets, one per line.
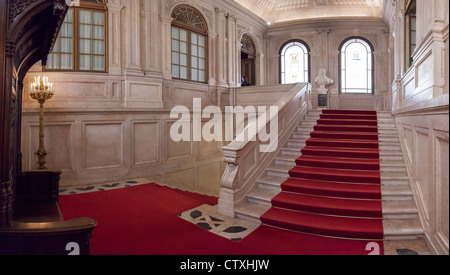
[296, 143]
[251, 211]
[396, 166]
[394, 229]
[389, 193]
[384, 131]
[312, 116]
[388, 138]
[285, 159]
[391, 155]
[271, 183]
[393, 169]
[395, 178]
[391, 152]
[393, 163]
[388, 124]
[301, 135]
[384, 114]
[404, 209]
[302, 140]
[308, 123]
[304, 129]
[277, 170]
[402, 229]
[262, 196]
[396, 210]
[315, 111]
[390, 146]
[381, 118]
[291, 151]
[396, 193]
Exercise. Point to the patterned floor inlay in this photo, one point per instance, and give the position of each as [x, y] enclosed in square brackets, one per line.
[206, 217]
[101, 187]
[406, 247]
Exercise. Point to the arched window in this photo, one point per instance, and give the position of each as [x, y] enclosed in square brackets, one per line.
[82, 40]
[294, 62]
[189, 45]
[356, 66]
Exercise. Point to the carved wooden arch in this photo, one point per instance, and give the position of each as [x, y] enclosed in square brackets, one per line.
[30, 28]
[21, 14]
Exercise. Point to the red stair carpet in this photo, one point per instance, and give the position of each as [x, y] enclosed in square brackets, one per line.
[331, 205]
[335, 189]
[142, 220]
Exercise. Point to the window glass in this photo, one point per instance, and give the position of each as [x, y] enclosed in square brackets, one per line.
[82, 37]
[189, 45]
[356, 75]
[294, 63]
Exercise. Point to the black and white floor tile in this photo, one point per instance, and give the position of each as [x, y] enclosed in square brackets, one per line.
[101, 187]
[208, 218]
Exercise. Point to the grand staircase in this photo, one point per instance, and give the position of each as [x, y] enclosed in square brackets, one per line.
[341, 174]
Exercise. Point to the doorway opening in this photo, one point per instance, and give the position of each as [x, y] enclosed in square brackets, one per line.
[248, 56]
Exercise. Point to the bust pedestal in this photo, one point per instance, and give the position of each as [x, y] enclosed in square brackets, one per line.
[323, 97]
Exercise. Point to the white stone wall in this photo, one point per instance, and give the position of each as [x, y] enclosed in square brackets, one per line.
[324, 38]
[421, 107]
[115, 126]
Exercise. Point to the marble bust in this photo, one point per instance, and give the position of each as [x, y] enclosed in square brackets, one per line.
[322, 79]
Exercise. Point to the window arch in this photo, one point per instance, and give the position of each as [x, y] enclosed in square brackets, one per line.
[189, 45]
[294, 62]
[356, 66]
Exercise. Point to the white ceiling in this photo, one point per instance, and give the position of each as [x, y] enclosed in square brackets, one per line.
[278, 11]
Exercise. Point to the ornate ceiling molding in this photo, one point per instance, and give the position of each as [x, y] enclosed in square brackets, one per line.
[277, 11]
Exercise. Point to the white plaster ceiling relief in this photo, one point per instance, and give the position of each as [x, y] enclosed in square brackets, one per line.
[277, 11]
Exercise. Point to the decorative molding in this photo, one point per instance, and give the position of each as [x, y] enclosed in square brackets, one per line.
[229, 179]
[16, 7]
[10, 49]
[242, 29]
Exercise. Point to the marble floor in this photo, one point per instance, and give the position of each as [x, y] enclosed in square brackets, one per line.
[101, 187]
[208, 218]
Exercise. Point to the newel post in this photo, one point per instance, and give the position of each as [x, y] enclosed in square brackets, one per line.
[229, 184]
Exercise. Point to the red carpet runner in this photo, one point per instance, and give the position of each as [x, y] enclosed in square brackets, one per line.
[335, 189]
[142, 220]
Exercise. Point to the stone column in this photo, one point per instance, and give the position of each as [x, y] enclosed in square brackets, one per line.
[114, 41]
[165, 51]
[150, 32]
[133, 38]
[221, 49]
[212, 53]
[232, 52]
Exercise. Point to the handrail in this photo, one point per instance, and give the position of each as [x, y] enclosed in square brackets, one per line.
[260, 123]
[245, 161]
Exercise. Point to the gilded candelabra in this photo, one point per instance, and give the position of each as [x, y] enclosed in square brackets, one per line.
[41, 90]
